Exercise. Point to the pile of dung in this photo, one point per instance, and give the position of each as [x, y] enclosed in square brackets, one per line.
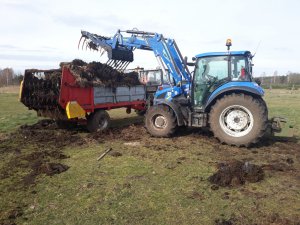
[98, 74]
[236, 173]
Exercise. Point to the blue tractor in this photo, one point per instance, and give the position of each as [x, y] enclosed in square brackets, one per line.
[221, 92]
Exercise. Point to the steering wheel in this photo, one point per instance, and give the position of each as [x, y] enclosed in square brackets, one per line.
[209, 78]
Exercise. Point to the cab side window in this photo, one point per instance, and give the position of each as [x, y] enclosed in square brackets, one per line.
[239, 69]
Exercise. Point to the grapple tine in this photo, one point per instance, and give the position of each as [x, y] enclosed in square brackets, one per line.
[118, 64]
[123, 63]
[79, 41]
[109, 62]
[83, 43]
[124, 66]
[102, 50]
[115, 64]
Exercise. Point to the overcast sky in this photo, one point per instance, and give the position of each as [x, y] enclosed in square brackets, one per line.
[40, 33]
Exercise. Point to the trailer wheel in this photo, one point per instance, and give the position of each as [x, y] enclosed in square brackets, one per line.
[160, 121]
[238, 119]
[98, 121]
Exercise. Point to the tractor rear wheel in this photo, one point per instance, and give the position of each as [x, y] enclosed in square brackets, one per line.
[160, 121]
[98, 121]
[238, 119]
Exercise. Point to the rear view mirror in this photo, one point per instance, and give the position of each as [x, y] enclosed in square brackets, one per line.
[258, 81]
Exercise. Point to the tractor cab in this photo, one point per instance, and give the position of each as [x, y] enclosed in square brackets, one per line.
[213, 70]
[154, 77]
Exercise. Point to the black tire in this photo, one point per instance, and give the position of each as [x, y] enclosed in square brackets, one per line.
[160, 121]
[98, 121]
[247, 114]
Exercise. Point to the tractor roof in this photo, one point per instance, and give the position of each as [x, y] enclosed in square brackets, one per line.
[222, 53]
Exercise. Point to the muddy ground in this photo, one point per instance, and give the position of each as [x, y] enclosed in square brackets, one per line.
[234, 166]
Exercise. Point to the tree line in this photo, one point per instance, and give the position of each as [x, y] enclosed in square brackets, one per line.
[9, 77]
[289, 79]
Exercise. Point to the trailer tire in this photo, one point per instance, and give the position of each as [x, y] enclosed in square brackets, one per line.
[160, 121]
[239, 119]
[98, 121]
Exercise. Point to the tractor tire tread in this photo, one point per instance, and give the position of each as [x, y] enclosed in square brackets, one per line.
[261, 114]
[168, 113]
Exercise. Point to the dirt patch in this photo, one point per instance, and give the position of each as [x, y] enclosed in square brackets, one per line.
[224, 222]
[131, 133]
[276, 219]
[289, 160]
[278, 166]
[115, 154]
[8, 217]
[196, 195]
[236, 173]
[14, 213]
[46, 143]
[40, 146]
[45, 134]
[52, 168]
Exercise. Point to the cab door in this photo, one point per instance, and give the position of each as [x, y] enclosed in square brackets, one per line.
[210, 72]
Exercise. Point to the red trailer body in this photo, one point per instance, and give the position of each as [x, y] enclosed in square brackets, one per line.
[70, 91]
[57, 94]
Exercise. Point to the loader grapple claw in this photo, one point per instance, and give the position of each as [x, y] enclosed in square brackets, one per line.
[123, 55]
[119, 58]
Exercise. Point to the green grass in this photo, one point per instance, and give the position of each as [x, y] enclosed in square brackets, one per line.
[158, 181]
[13, 113]
[285, 103]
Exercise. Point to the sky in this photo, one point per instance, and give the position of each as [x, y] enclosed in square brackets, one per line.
[41, 34]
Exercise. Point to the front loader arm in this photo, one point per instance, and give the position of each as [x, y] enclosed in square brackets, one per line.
[120, 51]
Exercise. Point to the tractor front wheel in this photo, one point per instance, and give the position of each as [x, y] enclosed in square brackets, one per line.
[160, 121]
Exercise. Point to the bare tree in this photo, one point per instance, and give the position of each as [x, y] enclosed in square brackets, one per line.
[6, 76]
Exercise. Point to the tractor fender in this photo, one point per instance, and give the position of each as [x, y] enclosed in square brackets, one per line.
[234, 86]
[175, 107]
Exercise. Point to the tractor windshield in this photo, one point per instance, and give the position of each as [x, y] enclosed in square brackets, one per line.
[210, 72]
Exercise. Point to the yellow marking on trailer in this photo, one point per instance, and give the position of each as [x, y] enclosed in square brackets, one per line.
[74, 110]
[20, 90]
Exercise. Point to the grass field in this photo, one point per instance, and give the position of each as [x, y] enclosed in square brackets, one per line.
[285, 103]
[143, 180]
